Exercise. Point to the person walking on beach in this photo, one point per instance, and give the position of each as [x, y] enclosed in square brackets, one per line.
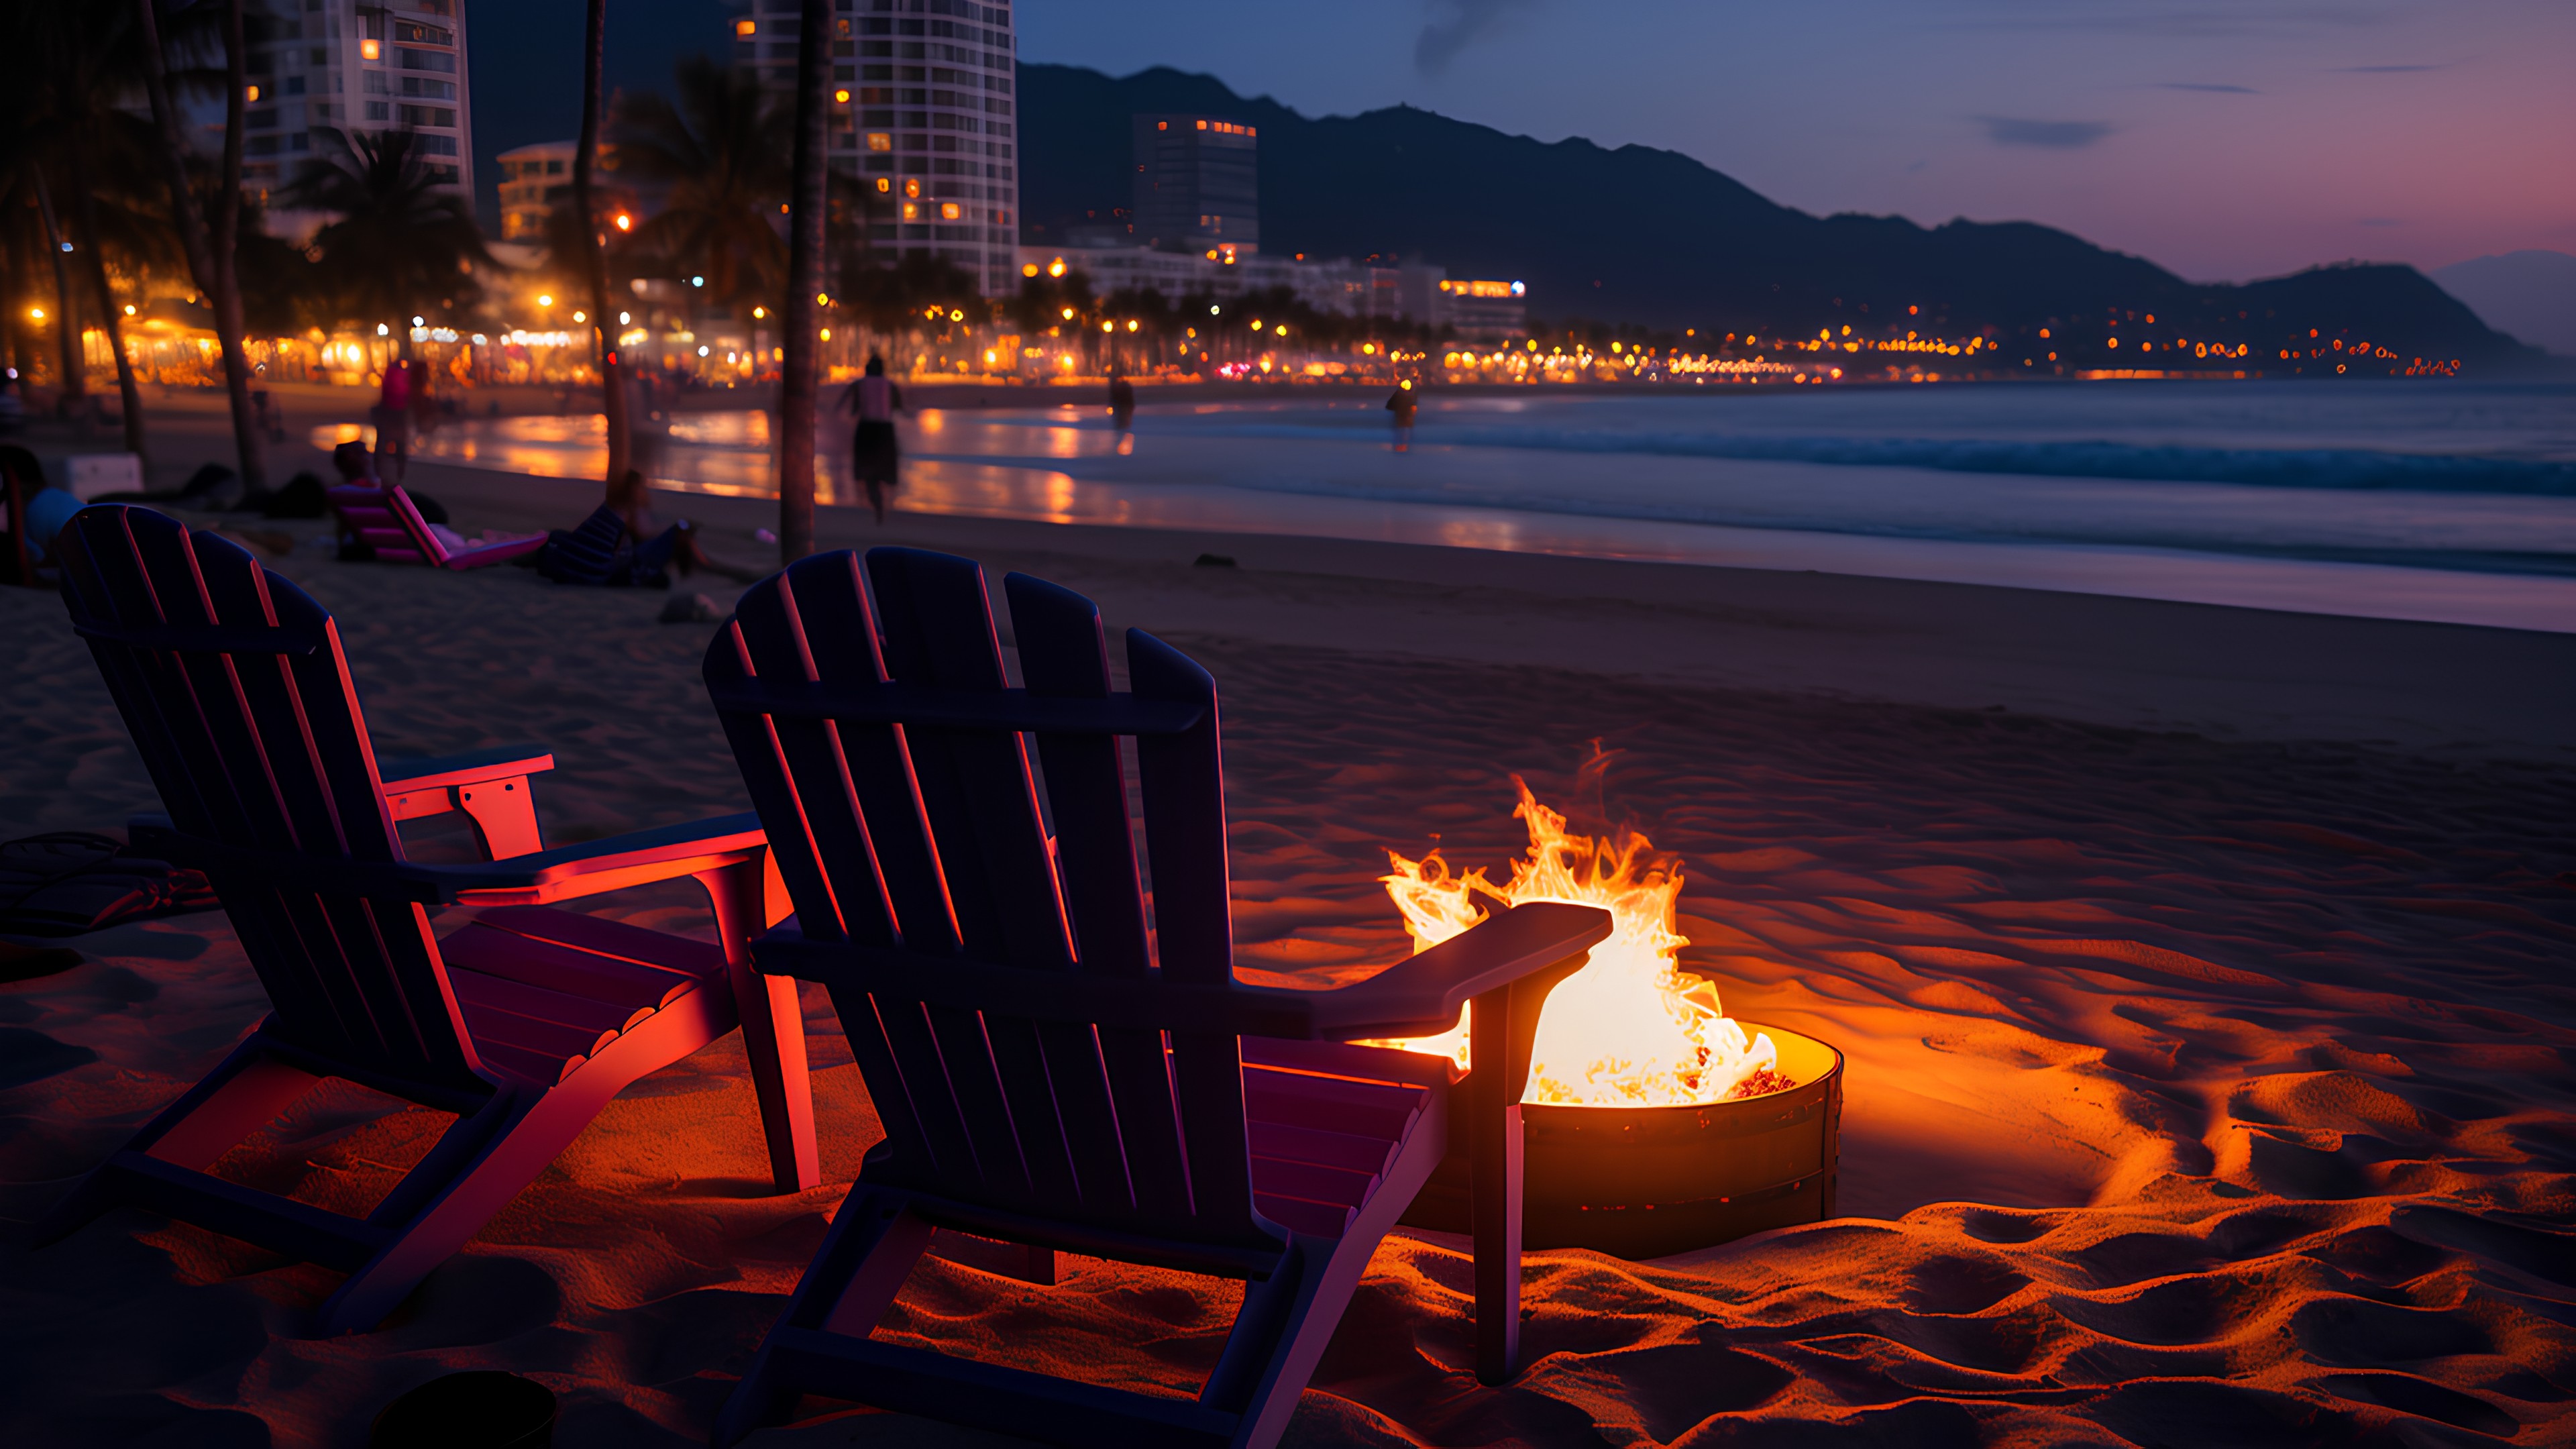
[393, 416]
[1122, 411]
[1400, 409]
[875, 460]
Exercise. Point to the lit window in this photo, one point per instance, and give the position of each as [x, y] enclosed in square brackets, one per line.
[912, 211]
[744, 27]
[912, 186]
[1202, 125]
[880, 141]
[948, 211]
[1162, 125]
[841, 97]
[253, 94]
[371, 50]
[884, 185]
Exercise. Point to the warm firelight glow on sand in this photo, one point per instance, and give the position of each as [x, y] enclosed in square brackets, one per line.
[1629, 1029]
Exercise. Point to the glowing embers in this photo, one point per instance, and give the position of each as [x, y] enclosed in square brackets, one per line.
[1629, 1029]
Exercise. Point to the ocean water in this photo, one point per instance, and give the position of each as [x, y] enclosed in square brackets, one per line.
[2446, 501]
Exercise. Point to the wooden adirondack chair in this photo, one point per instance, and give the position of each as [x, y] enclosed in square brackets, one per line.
[383, 517]
[1050, 1070]
[523, 1024]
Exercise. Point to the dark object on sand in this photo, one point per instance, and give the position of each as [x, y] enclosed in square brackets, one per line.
[302, 497]
[522, 1024]
[213, 487]
[481, 1409]
[1258, 1144]
[27, 963]
[71, 882]
[430, 509]
[1649, 1182]
[691, 609]
[1214, 561]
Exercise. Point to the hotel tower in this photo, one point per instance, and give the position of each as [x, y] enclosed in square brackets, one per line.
[322, 65]
[921, 114]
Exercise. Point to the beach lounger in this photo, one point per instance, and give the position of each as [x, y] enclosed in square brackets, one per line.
[383, 517]
[1049, 1071]
[523, 1024]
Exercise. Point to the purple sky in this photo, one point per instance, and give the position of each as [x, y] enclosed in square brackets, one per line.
[2224, 139]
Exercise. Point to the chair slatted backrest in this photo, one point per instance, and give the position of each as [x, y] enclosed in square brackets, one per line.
[929, 838]
[233, 685]
[367, 509]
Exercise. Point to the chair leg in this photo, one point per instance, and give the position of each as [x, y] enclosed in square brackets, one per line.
[869, 1250]
[234, 1100]
[533, 1131]
[255, 1095]
[1494, 1197]
[773, 1026]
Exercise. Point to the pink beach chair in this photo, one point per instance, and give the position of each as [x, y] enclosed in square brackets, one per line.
[523, 1024]
[383, 517]
[1050, 1072]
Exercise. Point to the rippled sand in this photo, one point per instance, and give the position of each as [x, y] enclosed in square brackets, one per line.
[2201, 1090]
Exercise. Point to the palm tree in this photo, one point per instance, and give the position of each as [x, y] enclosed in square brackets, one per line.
[799, 373]
[210, 248]
[594, 244]
[723, 154]
[400, 244]
[95, 152]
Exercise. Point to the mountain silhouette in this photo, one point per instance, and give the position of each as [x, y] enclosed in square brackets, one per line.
[1646, 236]
[2529, 294]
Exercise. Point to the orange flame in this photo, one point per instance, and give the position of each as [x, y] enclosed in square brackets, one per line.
[1629, 1029]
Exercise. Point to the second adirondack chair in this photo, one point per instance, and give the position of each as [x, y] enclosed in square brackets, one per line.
[523, 1023]
[383, 517]
[1051, 1070]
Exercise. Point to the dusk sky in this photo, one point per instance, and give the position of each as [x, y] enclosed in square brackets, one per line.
[2223, 139]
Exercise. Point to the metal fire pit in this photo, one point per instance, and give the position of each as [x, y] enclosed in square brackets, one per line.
[1647, 1182]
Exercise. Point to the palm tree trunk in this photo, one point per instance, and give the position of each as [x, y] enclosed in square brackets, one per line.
[129, 396]
[74, 384]
[253, 449]
[603, 325]
[184, 211]
[799, 373]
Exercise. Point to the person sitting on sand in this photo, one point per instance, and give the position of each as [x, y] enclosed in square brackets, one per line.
[875, 459]
[1401, 408]
[31, 539]
[610, 547]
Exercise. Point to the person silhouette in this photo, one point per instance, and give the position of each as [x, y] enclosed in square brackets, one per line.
[875, 458]
[1400, 409]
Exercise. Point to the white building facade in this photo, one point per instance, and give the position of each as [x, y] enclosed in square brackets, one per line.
[923, 114]
[317, 66]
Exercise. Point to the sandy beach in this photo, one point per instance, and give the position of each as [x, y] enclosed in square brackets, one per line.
[2202, 974]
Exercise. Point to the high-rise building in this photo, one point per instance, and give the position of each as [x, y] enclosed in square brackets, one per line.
[922, 116]
[534, 181]
[1198, 184]
[318, 66]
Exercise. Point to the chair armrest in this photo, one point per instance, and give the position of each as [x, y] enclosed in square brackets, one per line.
[1423, 994]
[638, 857]
[473, 767]
[1536, 943]
[590, 868]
